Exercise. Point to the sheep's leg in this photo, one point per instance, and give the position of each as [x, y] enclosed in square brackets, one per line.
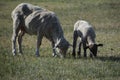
[14, 36]
[54, 52]
[20, 41]
[84, 48]
[74, 43]
[79, 50]
[39, 40]
[16, 23]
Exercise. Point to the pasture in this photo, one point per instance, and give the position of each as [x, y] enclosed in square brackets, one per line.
[104, 15]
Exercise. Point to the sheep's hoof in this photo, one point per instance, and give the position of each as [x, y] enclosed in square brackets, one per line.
[20, 54]
[54, 55]
[37, 55]
[91, 56]
[79, 56]
[62, 57]
[14, 52]
[73, 57]
[85, 56]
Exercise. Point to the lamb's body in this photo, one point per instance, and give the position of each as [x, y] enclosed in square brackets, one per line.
[85, 31]
[40, 23]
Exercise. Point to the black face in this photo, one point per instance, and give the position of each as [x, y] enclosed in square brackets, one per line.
[63, 49]
[94, 49]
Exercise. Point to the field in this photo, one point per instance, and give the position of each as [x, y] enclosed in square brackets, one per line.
[104, 15]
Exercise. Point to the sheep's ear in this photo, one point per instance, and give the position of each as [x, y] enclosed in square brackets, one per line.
[58, 46]
[99, 44]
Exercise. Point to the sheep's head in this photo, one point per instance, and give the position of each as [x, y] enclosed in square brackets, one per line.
[94, 48]
[62, 47]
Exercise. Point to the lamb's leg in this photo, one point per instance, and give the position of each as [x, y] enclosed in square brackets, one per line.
[91, 55]
[84, 48]
[20, 41]
[79, 50]
[16, 23]
[74, 43]
[39, 40]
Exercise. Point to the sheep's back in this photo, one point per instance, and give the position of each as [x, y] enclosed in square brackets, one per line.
[25, 9]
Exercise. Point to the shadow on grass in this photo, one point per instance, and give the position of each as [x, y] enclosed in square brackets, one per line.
[109, 58]
[102, 58]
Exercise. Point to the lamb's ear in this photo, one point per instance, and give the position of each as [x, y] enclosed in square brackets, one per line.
[99, 44]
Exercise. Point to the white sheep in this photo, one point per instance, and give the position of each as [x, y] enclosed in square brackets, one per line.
[87, 35]
[36, 21]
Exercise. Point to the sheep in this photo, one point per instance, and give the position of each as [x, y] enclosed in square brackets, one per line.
[87, 35]
[42, 23]
[18, 15]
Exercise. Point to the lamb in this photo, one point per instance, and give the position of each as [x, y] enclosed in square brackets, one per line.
[87, 35]
[42, 23]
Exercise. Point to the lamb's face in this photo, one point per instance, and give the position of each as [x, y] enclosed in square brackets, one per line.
[94, 49]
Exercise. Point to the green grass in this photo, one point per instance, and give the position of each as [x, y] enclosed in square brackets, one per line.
[104, 15]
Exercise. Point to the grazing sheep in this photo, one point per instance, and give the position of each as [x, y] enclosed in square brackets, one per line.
[87, 36]
[41, 23]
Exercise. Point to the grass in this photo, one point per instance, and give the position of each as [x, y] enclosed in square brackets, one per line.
[102, 14]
